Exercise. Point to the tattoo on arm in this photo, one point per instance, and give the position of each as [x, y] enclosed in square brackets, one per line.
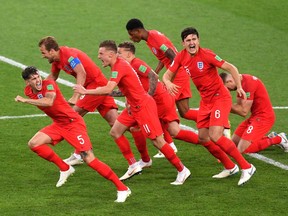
[116, 93]
[153, 81]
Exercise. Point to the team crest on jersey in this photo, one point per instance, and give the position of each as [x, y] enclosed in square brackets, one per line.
[81, 97]
[200, 65]
[154, 50]
[39, 96]
[114, 74]
[248, 94]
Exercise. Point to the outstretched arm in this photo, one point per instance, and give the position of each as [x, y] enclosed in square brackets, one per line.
[104, 90]
[46, 101]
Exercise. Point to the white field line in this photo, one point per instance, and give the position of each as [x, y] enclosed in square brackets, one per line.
[122, 104]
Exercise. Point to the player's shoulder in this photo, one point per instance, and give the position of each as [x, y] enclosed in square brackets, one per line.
[49, 85]
[206, 51]
[156, 35]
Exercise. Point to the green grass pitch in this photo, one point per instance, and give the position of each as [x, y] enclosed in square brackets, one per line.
[250, 34]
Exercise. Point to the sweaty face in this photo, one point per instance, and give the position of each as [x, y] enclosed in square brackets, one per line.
[134, 35]
[47, 54]
[191, 43]
[104, 56]
[35, 81]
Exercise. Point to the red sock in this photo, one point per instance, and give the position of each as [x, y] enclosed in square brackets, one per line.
[105, 171]
[229, 147]
[124, 147]
[218, 153]
[191, 114]
[140, 142]
[262, 144]
[167, 136]
[48, 154]
[187, 136]
[172, 157]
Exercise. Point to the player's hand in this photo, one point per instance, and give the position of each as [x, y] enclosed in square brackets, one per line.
[19, 99]
[172, 88]
[79, 89]
[241, 92]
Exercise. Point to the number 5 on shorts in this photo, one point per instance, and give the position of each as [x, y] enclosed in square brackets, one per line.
[81, 140]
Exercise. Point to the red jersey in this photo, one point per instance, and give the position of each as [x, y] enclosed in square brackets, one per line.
[203, 70]
[129, 84]
[67, 55]
[159, 44]
[256, 91]
[142, 69]
[60, 112]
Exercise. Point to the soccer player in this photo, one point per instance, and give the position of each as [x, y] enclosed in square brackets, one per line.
[164, 51]
[67, 124]
[215, 101]
[141, 105]
[165, 105]
[76, 63]
[249, 136]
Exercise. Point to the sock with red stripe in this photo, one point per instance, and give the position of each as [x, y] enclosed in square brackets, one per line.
[229, 147]
[191, 114]
[105, 171]
[125, 148]
[48, 154]
[167, 136]
[187, 136]
[172, 157]
[140, 142]
[262, 144]
[218, 153]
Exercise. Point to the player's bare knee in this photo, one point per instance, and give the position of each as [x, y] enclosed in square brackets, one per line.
[173, 131]
[31, 144]
[113, 133]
